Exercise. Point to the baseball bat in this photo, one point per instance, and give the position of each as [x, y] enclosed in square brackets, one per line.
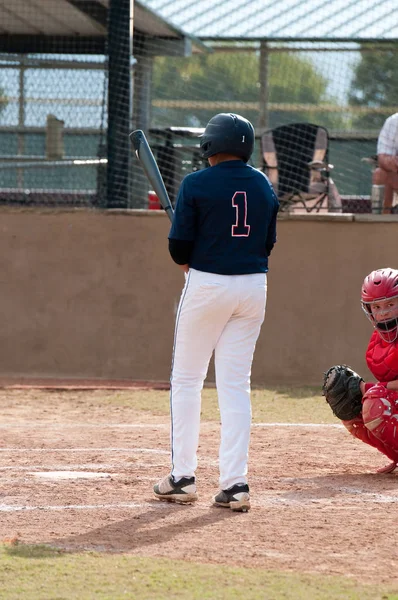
[144, 154]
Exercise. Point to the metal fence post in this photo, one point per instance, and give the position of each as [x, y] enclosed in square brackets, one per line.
[119, 103]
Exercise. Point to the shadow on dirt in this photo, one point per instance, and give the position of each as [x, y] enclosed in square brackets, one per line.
[363, 487]
[159, 524]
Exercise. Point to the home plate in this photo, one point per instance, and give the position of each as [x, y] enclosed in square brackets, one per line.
[70, 475]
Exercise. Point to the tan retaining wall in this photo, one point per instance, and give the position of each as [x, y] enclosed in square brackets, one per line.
[93, 294]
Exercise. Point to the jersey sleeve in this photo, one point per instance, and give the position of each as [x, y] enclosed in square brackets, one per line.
[183, 226]
[387, 142]
[271, 235]
[180, 251]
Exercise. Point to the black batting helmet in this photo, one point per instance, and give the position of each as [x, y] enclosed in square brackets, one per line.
[230, 133]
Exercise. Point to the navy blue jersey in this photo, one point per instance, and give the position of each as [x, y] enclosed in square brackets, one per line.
[229, 213]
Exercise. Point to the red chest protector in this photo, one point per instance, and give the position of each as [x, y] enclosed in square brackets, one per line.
[382, 358]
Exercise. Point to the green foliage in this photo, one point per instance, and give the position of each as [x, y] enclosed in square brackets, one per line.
[216, 76]
[227, 77]
[294, 79]
[375, 84]
[3, 100]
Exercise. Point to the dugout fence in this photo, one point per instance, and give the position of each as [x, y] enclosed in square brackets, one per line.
[68, 102]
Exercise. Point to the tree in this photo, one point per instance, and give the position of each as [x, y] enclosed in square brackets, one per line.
[375, 85]
[233, 77]
[3, 100]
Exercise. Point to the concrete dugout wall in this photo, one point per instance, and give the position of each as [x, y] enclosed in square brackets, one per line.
[93, 294]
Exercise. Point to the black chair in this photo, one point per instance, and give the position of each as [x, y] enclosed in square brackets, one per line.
[296, 160]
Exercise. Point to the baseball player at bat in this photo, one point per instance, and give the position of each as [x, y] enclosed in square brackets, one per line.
[223, 231]
[370, 410]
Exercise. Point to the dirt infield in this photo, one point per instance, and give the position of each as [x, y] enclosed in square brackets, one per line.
[79, 384]
[317, 504]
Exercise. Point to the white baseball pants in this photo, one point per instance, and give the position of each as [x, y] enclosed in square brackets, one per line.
[224, 314]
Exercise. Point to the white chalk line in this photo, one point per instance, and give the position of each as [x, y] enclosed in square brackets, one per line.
[125, 466]
[36, 425]
[50, 425]
[351, 496]
[16, 508]
[358, 496]
[128, 450]
[384, 498]
[320, 425]
[81, 467]
[29, 480]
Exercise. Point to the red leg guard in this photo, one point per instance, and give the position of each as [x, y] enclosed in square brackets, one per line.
[380, 417]
[358, 429]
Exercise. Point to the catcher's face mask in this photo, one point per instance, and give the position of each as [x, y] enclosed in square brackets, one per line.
[383, 314]
[379, 299]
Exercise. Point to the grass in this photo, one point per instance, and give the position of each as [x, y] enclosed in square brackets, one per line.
[42, 573]
[285, 404]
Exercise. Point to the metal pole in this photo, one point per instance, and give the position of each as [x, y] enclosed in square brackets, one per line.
[120, 24]
[141, 120]
[39, 163]
[263, 116]
[21, 120]
[142, 91]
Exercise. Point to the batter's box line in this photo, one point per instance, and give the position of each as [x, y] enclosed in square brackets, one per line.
[204, 424]
[124, 466]
[128, 450]
[327, 502]
[28, 480]
[306, 425]
[264, 503]
[153, 504]
[49, 424]
[351, 494]
[16, 508]
[369, 496]
[82, 467]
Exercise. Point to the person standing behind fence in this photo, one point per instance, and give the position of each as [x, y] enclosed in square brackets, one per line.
[223, 232]
[386, 173]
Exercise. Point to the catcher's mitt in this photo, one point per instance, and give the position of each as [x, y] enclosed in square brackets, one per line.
[341, 388]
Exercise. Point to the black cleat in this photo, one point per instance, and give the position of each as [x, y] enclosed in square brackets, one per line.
[236, 498]
[182, 492]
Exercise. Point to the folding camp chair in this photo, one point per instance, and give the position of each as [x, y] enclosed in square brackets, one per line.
[295, 158]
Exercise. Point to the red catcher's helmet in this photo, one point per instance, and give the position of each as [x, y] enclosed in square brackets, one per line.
[380, 285]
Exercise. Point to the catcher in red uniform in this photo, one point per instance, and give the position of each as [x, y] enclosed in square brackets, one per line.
[370, 410]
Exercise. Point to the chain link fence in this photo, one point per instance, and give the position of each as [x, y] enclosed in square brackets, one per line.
[65, 115]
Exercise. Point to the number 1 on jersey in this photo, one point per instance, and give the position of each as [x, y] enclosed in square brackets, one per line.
[241, 228]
